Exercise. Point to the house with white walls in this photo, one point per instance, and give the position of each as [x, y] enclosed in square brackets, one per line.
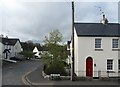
[9, 47]
[96, 49]
[36, 52]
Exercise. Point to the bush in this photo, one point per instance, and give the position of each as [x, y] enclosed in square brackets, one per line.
[27, 54]
[55, 68]
[44, 67]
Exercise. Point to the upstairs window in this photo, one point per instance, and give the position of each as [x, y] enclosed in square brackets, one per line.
[97, 43]
[115, 43]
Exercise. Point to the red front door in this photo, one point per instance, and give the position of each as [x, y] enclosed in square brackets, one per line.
[89, 67]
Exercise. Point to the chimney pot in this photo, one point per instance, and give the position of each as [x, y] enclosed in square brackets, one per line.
[104, 20]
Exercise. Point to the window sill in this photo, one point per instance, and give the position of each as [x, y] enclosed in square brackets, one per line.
[111, 71]
[98, 49]
[115, 49]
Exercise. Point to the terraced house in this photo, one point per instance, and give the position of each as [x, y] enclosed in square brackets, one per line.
[96, 49]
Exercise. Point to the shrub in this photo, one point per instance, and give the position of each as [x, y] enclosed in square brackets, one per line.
[55, 68]
[27, 54]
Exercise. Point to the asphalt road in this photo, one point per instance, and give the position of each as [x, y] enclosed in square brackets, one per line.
[12, 73]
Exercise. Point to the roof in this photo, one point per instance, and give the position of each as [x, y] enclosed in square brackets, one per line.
[9, 41]
[98, 29]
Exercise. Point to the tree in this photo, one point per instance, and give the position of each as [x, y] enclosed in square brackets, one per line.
[54, 37]
[52, 42]
[29, 45]
[27, 54]
[56, 54]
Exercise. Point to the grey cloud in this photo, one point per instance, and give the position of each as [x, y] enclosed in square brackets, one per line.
[34, 20]
[91, 11]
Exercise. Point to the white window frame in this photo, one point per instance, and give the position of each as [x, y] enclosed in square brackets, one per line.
[110, 65]
[113, 43]
[98, 43]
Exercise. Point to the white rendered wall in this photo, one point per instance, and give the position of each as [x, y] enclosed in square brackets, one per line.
[12, 52]
[85, 47]
[17, 48]
[35, 50]
[76, 52]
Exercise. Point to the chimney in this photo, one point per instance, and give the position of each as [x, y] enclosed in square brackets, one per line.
[1, 35]
[103, 16]
[6, 36]
[104, 20]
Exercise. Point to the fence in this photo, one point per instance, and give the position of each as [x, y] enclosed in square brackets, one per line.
[99, 74]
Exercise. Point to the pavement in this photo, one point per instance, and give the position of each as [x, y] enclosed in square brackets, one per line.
[35, 78]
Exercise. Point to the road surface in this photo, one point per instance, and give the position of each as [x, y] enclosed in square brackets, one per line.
[12, 73]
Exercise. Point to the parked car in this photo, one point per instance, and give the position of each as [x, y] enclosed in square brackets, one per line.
[16, 58]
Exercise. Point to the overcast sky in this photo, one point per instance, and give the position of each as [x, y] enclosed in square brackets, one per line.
[33, 20]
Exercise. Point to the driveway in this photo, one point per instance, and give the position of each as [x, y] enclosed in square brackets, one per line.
[12, 72]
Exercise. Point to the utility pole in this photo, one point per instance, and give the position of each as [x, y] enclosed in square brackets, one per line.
[72, 62]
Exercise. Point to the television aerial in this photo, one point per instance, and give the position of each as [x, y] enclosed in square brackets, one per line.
[100, 9]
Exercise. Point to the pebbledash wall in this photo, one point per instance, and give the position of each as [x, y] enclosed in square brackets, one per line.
[85, 47]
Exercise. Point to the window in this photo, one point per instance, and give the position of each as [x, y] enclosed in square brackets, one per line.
[110, 64]
[97, 43]
[115, 43]
[119, 64]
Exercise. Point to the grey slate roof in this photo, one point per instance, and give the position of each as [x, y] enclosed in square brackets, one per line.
[9, 41]
[98, 29]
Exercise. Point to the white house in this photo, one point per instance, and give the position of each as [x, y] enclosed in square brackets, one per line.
[96, 49]
[37, 52]
[10, 45]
